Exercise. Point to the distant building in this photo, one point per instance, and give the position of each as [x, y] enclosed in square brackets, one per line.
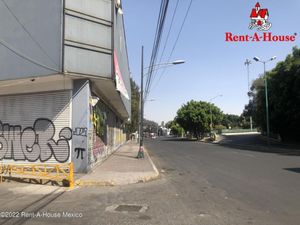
[64, 81]
[163, 131]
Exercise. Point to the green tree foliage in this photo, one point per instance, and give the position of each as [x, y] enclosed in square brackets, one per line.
[176, 129]
[231, 121]
[194, 117]
[169, 124]
[150, 126]
[284, 98]
[135, 103]
[255, 107]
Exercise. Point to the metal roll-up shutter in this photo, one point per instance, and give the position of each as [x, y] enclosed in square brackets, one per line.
[35, 128]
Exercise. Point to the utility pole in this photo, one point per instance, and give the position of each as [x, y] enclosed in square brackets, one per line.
[141, 148]
[247, 63]
[142, 100]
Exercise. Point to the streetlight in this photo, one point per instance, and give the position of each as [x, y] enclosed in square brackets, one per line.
[247, 63]
[211, 111]
[266, 93]
[176, 62]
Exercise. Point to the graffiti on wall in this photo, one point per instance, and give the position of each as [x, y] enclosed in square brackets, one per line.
[34, 143]
[80, 131]
[98, 146]
[80, 152]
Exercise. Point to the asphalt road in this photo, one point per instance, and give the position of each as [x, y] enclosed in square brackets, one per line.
[263, 182]
[200, 183]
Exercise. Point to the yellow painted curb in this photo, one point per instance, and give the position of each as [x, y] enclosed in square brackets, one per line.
[87, 183]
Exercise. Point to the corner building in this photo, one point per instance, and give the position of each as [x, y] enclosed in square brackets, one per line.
[64, 81]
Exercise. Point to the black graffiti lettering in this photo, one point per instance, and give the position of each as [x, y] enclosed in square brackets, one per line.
[12, 135]
[79, 152]
[5, 128]
[45, 132]
[80, 131]
[30, 149]
[34, 143]
[3, 147]
[66, 133]
[15, 137]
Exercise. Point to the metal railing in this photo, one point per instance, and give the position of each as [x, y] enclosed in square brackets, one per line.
[51, 172]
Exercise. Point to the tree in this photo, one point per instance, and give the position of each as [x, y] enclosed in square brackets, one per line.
[175, 128]
[194, 117]
[284, 98]
[135, 106]
[150, 126]
[231, 121]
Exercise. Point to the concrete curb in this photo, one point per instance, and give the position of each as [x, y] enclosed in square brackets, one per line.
[94, 183]
[240, 133]
[152, 163]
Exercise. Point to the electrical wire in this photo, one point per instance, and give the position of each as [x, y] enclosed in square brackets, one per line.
[175, 43]
[156, 44]
[157, 39]
[167, 38]
[169, 32]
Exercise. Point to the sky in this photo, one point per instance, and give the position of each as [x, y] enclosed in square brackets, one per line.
[213, 66]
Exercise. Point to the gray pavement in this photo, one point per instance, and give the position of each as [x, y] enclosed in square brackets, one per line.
[121, 168]
[262, 185]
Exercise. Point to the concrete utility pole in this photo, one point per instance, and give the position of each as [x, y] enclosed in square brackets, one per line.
[141, 148]
[247, 63]
[142, 101]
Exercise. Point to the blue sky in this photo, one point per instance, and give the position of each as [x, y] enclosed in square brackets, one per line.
[212, 66]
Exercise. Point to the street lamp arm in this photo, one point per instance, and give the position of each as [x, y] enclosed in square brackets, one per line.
[258, 59]
[175, 62]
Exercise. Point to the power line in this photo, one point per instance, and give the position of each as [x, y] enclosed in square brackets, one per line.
[175, 43]
[157, 40]
[167, 38]
[29, 34]
[169, 31]
[156, 44]
[181, 28]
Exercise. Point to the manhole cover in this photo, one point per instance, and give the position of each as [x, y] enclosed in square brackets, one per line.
[126, 208]
[129, 208]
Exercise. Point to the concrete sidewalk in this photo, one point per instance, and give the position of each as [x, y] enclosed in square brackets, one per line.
[121, 168]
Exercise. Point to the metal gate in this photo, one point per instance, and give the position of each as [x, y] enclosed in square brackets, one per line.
[35, 128]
